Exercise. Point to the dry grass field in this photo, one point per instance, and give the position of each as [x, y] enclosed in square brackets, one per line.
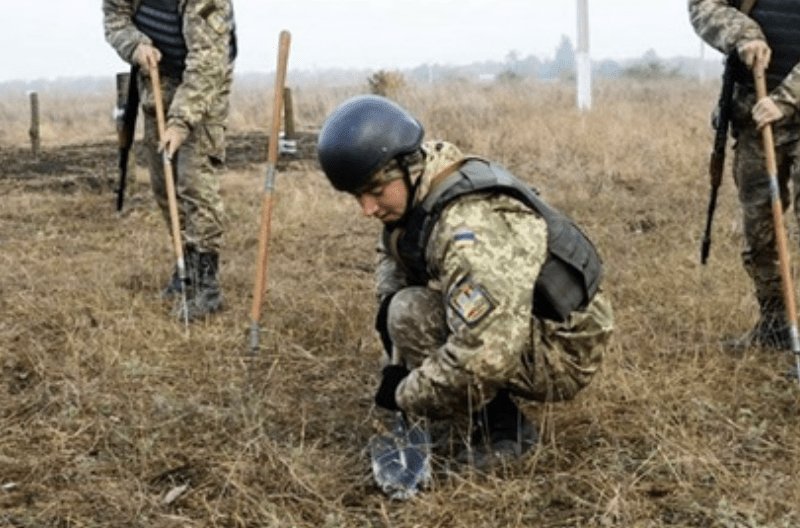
[114, 415]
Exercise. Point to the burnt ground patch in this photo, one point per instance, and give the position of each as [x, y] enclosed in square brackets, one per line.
[94, 166]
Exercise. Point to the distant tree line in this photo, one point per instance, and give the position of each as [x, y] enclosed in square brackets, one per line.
[513, 68]
[562, 67]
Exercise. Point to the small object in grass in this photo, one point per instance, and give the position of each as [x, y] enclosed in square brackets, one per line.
[174, 493]
[401, 460]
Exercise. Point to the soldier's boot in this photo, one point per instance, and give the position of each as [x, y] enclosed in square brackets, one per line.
[771, 331]
[204, 295]
[502, 433]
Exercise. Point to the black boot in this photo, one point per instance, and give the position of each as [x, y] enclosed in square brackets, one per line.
[771, 331]
[203, 296]
[502, 432]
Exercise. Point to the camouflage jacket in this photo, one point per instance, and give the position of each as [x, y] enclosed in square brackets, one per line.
[486, 241]
[203, 93]
[725, 28]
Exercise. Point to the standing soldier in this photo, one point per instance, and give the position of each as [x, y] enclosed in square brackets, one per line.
[486, 294]
[193, 44]
[769, 37]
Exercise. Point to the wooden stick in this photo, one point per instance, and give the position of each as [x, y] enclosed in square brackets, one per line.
[269, 188]
[171, 195]
[780, 230]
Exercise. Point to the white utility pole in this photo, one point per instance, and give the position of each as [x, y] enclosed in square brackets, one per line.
[583, 63]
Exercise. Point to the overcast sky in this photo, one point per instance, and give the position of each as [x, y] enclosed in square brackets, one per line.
[56, 38]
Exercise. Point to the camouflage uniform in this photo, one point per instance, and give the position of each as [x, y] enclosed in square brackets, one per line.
[196, 101]
[461, 354]
[724, 28]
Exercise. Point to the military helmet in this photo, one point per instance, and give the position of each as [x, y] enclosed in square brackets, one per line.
[361, 136]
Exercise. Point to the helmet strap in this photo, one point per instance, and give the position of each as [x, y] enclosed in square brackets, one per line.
[405, 162]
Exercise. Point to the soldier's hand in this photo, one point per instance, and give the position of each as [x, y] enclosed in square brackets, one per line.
[754, 53]
[766, 111]
[174, 136]
[146, 56]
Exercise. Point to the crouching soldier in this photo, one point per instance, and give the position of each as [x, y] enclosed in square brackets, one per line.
[485, 293]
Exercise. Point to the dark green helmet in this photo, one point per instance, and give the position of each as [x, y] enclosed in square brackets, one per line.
[361, 136]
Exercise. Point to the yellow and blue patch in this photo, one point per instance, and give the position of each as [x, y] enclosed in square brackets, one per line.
[471, 301]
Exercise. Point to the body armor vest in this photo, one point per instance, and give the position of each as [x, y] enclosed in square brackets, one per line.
[572, 271]
[162, 21]
[780, 22]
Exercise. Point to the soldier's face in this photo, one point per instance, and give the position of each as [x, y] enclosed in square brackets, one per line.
[386, 202]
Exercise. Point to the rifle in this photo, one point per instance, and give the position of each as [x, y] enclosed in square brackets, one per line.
[722, 121]
[717, 162]
[126, 127]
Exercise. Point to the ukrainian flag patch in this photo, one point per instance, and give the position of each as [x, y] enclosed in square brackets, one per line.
[463, 238]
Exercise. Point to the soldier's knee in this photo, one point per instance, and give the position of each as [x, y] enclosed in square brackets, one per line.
[406, 305]
[415, 314]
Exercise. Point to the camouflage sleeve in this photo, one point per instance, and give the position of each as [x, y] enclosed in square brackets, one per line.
[389, 277]
[204, 91]
[724, 27]
[119, 30]
[787, 93]
[488, 252]
[721, 25]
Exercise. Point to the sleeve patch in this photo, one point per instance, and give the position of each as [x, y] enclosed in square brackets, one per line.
[214, 16]
[464, 238]
[471, 301]
[207, 8]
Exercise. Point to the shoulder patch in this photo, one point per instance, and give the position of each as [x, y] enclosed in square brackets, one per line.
[463, 237]
[471, 301]
[206, 8]
[214, 15]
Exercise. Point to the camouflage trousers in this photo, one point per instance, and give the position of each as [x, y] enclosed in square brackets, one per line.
[561, 359]
[196, 168]
[760, 254]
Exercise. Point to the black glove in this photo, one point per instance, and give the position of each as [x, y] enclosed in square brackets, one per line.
[382, 324]
[392, 376]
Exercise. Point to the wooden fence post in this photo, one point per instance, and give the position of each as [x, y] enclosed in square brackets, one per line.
[288, 114]
[34, 130]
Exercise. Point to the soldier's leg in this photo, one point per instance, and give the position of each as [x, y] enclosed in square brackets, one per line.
[155, 167]
[760, 255]
[155, 164]
[565, 356]
[198, 188]
[793, 163]
[202, 210]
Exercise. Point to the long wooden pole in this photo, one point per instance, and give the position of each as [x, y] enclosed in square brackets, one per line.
[269, 188]
[171, 195]
[780, 230]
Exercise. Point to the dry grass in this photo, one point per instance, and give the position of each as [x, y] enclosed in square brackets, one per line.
[108, 405]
